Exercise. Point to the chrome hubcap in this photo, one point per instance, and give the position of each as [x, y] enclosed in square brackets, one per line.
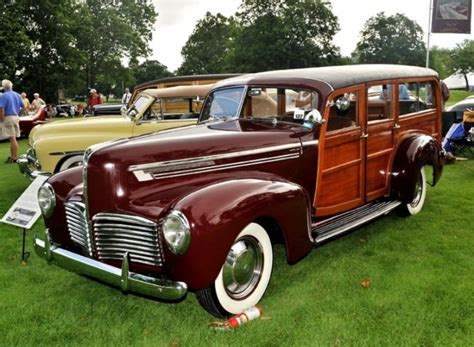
[243, 267]
[418, 191]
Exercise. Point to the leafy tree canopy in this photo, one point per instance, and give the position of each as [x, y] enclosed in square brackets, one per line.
[208, 45]
[279, 34]
[463, 57]
[51, 44]
[150, 70]
[394, 39]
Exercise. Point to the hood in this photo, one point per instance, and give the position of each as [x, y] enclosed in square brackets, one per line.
[63, 129]
[200, 141]
[126, 172]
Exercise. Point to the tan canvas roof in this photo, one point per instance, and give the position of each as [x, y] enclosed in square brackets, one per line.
[180, 91]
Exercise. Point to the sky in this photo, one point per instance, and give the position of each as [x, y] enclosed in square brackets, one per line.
[177, 19]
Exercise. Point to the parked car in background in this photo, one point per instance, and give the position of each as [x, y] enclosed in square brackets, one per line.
[295, 157]
[28, 122]
[114, 109]
[454, 113]
[60, 145]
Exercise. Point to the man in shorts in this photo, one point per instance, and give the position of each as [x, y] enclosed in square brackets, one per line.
[10, 106]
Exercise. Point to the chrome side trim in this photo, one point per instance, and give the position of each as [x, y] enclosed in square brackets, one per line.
[120, 278]
[181, 167]
[67, 153]
[190, 161]
[310, 143]
[148, 176]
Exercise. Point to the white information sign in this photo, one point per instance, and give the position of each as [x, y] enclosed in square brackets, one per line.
[25, 211]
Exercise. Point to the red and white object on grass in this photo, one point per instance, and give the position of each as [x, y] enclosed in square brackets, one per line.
[245, 316]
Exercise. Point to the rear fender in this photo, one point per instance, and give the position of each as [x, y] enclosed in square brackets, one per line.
[415, 151]
[218, 212]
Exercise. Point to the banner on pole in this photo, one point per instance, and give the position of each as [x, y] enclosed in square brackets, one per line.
[451, 16]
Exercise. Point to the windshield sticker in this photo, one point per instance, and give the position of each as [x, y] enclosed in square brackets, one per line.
[298, 114]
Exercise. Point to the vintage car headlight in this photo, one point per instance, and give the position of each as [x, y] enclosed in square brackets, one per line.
[176, 232]
[46, 199]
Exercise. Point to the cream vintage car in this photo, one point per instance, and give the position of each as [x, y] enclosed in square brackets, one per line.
[60, 145]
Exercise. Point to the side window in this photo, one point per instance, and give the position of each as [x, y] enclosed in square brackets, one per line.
[283, 104]
[343, 112]
[264, 103]
[419, 97]
[379, 102]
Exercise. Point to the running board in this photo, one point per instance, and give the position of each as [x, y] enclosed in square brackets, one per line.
[339, 224]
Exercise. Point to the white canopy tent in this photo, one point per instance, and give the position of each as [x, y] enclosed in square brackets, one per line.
[458, 81]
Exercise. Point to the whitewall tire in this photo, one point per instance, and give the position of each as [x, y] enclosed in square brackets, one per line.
[72, 161]
[244, 276]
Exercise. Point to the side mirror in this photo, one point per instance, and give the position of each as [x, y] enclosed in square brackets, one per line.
[123, 110]
[343, 103]
[313, 118]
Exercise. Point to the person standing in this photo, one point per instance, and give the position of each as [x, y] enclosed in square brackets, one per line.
[37, 102]
[11, 105]
[26, 104]
[94, 99]
[126, 96]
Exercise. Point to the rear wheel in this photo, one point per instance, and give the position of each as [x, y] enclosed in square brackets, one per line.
[244, 276]
[418, 201]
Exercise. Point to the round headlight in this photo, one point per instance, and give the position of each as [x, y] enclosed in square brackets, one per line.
[176, 232]
[46, 199]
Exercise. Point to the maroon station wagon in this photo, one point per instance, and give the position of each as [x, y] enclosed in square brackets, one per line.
[294, 157]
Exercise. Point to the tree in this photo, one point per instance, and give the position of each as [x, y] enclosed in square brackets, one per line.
[393, 39]
[150, 70]
[279, 34]
[110, 31]
[463, 57]
[441, 60]
[13, 52]
[206, 48]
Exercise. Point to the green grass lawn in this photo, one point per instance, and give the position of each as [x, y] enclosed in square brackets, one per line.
[420, 270]
[457, 95]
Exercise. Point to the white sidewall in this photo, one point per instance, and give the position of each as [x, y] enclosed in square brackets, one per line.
[415, 209]
[70, 161]
[237, 306]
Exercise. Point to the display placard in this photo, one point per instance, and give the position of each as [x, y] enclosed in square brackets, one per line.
[26, 211]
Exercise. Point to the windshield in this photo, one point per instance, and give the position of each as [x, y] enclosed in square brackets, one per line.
[223, 104]
[138, 106]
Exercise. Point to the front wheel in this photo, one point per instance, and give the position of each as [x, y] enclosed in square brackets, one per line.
[72, 161]
[418, 201]
[244, 276]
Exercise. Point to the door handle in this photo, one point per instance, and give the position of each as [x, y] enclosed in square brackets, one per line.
[364, 136]
[396, 126]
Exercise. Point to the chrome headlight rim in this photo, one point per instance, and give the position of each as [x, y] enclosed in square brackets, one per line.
[47, 209]
[178, 246]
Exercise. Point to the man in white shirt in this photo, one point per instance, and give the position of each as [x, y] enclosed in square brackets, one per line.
[37, 102]
[126, 96]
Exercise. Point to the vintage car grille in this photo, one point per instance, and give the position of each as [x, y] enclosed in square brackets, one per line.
[78, 226]
[115, 234]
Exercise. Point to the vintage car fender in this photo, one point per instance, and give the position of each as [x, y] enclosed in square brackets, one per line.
[415, 151]
[216, 222]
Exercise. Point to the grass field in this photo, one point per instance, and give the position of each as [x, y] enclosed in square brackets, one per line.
[419, 271]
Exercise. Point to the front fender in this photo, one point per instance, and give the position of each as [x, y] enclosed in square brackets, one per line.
[218, 212]
[415, 151]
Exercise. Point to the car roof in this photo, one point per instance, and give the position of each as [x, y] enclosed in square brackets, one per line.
[185, 79]
[334, 76]
[180, 91]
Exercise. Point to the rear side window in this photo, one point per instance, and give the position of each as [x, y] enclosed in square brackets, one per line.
[415, 97]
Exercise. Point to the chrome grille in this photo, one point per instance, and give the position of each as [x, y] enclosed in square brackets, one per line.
[78, 226]
[115, 234]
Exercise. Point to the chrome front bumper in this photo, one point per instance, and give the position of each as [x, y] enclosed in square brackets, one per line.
[29, 165]
[121, 278]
